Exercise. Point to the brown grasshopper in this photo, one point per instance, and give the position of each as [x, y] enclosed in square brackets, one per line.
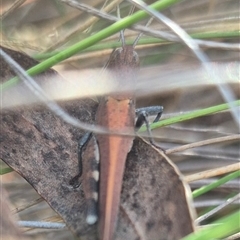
[117, 113]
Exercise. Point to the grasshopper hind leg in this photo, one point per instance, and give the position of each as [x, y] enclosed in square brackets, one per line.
[88, 166]
[91, 179]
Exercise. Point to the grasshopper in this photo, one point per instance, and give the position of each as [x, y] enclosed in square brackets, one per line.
[117, 113]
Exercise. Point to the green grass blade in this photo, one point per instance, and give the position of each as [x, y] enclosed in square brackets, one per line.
[221, 228]
[5, 170]
[191, 115]
[219, 182]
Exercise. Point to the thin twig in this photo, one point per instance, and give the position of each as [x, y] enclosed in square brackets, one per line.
[212, 172]
[28, 205]
[40, 224]
[234, 236]
[202, 143]
[217, 209]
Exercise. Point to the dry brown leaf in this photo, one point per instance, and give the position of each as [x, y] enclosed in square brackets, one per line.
[43, 149]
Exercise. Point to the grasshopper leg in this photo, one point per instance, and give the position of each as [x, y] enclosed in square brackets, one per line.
[142, 117]
[88, 168]
[91, 179]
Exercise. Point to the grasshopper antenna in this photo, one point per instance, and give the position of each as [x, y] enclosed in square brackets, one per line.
[122, 31]
[140, 34]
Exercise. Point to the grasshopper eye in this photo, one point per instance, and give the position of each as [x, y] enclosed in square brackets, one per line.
[117, 53]
[135, 57]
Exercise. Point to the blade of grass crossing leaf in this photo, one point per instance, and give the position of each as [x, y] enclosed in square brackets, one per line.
[221, 228]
